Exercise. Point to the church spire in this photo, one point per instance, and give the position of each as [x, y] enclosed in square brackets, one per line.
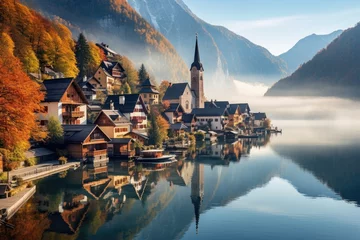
[197, 62]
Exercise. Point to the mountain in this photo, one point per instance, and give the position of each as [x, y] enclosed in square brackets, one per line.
[117, 24]
[222, 51]
[334, 71]
[305, 49]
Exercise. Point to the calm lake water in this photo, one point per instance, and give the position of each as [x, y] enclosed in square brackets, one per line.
[303, 184]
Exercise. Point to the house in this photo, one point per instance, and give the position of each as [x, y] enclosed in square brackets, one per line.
[132, 107]
[148, 93]
[189, 120]
[138, 136]
[259, 119]
[64, 100]
[182, 94]
[235, 117]
[219, 104]
[174, 113]
[110, 74]
[107, 51]
[178, 128]
[115, 125]
[95, 83]
[215, 118]
[88, 90]
[86, 142]
[49, 70]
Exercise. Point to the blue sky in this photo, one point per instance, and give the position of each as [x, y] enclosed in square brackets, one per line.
[278, 24]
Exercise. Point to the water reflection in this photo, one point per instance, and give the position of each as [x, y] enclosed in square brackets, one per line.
[206, 191]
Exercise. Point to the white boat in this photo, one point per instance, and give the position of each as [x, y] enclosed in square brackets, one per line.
[154, 155]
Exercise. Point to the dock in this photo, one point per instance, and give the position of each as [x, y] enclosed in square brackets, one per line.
[13, 204]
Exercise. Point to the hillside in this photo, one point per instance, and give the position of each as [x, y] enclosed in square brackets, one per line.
[306, 48]
[37, 41]
[117, 24]
[335, 71]
[222, 51]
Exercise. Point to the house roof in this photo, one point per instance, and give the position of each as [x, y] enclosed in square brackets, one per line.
[259, 116]
[121, 140]
[106, 48]
[175, 107]
[148, 90]
[128, 106]
[243, 107]
[232, 108]
[56, 88]
[147, 83]
[114, 116]
[175, 90]
[210, 104]
[178, 126]
[209, 112]
[222, 104]
[108, 66]
[188, 117]
[140, 134]
[86, 85]
[79, 133]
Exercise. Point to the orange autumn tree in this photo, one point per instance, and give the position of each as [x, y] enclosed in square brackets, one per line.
[19, 99]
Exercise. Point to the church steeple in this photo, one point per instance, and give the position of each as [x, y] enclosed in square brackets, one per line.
[197, 62]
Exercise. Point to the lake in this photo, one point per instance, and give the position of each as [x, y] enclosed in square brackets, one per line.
[303, 184]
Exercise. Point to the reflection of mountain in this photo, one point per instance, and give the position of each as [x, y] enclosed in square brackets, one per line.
[337, 166]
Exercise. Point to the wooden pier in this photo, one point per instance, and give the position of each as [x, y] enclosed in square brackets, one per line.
[13, 204]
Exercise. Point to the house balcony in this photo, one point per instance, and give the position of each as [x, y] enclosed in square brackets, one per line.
[74, 114]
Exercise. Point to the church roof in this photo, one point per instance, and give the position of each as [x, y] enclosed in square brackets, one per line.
[175, 90]
[197, 62]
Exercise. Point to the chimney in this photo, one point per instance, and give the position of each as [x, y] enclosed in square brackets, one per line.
[122, 100]
[112, 105]
[84, 78]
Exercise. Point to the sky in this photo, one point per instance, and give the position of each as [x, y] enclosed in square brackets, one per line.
[278, 24]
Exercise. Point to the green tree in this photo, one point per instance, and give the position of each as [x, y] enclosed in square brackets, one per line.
[83, 55]
[143, 74]
[125, 88]
[154, 132]
[56, 132]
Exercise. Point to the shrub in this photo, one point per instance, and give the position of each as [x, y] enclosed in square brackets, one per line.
[31, 161]
[62, 160]
[199, 136]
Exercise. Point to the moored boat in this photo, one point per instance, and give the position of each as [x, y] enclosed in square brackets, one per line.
[154, 155]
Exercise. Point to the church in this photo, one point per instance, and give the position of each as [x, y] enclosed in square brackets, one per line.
[189, 97]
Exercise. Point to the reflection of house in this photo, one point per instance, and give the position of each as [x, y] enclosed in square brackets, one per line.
[181, 174]
[233, 151]
[215, 118]
[180, 93]
[197, 191]
[95, 179]
[110, 74]
[132, 106]
[86, 142]
[148, 93]
[64, 100]
[70, 216]
[259, 119]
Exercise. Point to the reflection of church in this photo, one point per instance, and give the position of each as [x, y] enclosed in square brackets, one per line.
[197, 191]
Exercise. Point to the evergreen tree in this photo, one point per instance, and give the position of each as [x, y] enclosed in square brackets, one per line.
[143, 74]
[125, 88]
[154, 132]
[83, 55]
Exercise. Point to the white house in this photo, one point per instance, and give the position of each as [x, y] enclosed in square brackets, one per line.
[215, 118]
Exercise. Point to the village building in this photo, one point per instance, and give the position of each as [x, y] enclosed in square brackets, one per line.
[64, 100]
[86, 142]
[115, 125]
[180, 93]
[178, 129]
[214, 118]
[189, 120]
[234, 115]
[88, 89]
[110, 74]
[149, 93]
[197, 78]
[174, 113]
[107, 51]
[132, 107]
[259, 119]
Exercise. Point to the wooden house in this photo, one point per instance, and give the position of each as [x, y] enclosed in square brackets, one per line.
[174, 113]
[86, 142]
[110, 74]
[235, 117]
[189, 120]
[64, 100]
[149, 93]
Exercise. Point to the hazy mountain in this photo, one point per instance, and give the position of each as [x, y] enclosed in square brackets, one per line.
[222, 51]
[334, 71]
[305, 49]
[117, 24]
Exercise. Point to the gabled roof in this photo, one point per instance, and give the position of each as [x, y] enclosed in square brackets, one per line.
[232, 108]
[259, 116]
[222, 104]
[108, 66]
[209, 112]
[114, 116]
[128, 106]
[86, 85]
[79, 133]
[210, 104]
[178, 126]
[106, 48]
[188, 117]
[56, 88]
[121, 140]
[175, 107]
[175, 90]
[147, 83]
[243, 107]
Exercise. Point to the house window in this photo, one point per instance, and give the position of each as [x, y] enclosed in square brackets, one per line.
[187, 104]
[216, 120]
[43, 122]
[99, 72]
[46, 109]
[120, 130]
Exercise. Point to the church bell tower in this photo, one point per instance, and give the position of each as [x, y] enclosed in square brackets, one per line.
[197, 78]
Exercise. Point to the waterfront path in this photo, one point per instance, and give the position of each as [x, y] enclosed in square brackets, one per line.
[41, 170]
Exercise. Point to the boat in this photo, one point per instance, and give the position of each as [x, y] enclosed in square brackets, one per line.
[154, 155]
